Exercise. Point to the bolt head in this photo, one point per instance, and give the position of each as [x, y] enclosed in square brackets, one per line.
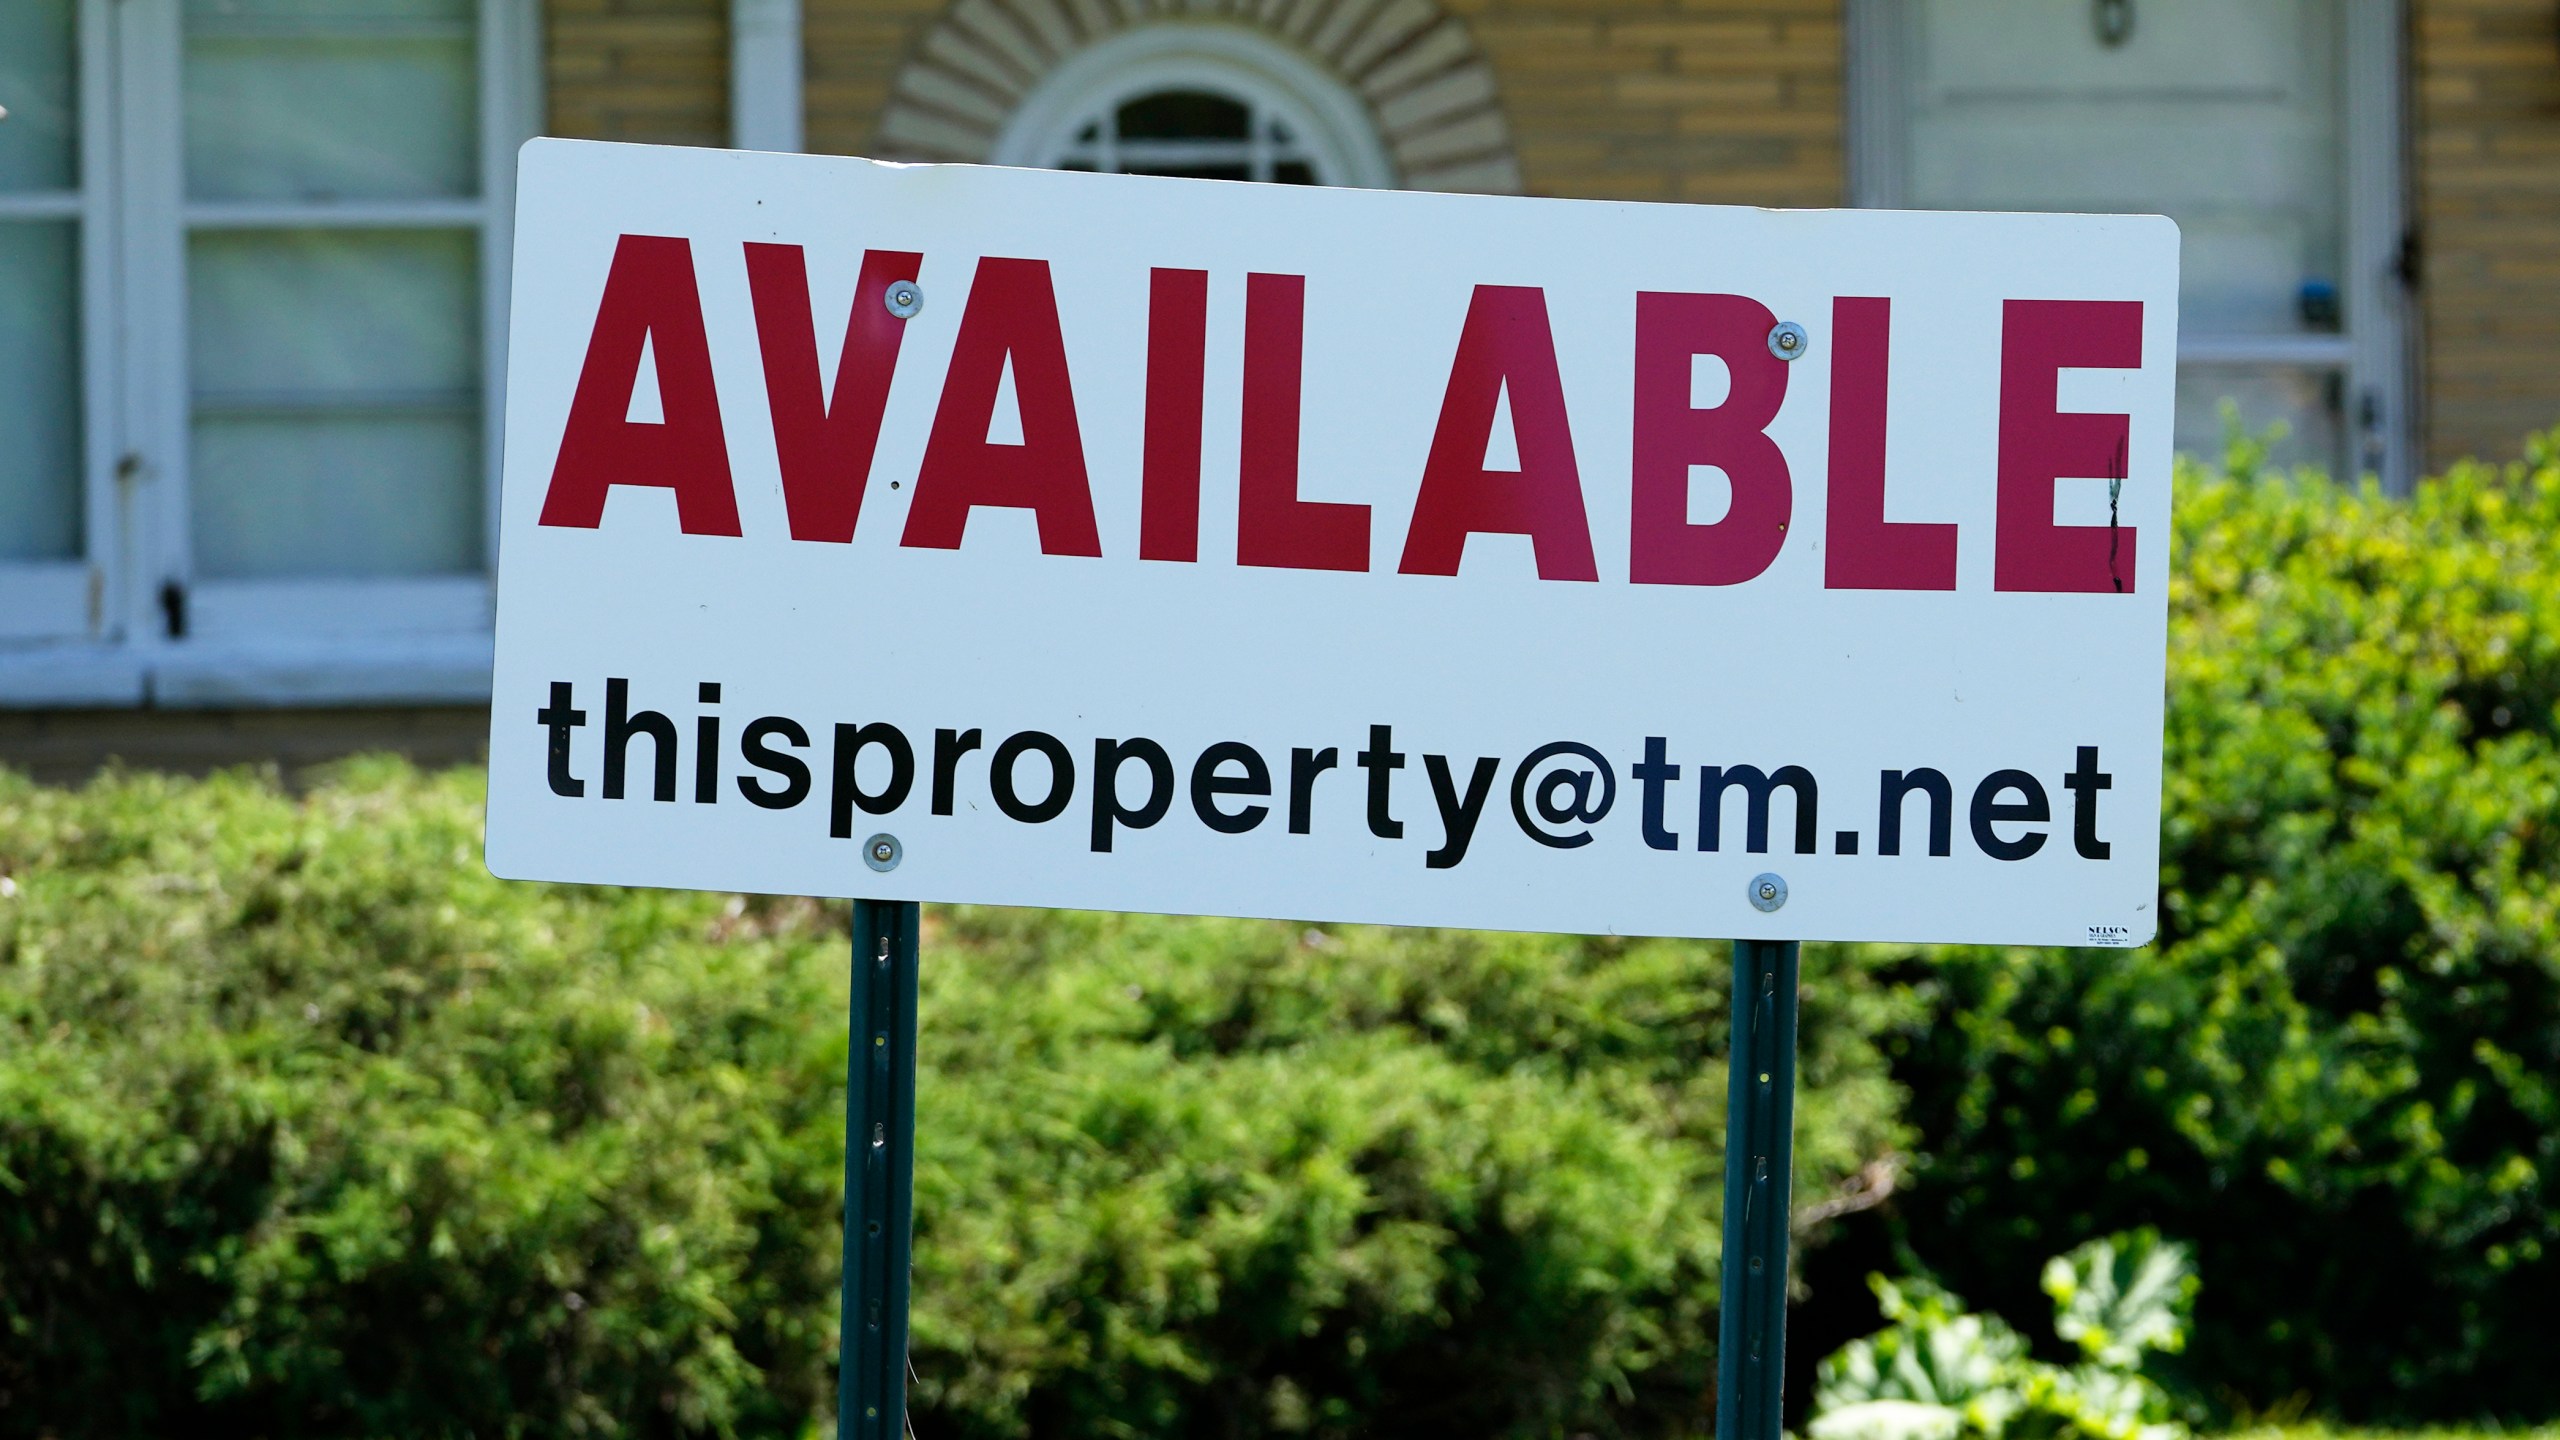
[882, 853]
[1767, 892]
[1788, 341]
[904, 298]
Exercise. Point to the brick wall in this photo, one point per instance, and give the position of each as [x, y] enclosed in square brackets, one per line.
[2486, 87]
[1729, 101]
[853, 49]
[649, 70]
[1723, 100]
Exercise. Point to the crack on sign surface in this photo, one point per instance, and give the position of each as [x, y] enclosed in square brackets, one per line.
[2115, 493]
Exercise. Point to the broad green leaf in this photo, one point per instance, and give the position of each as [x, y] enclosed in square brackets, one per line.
[2122, 1295]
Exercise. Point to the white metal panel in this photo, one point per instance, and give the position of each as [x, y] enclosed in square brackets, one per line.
[1484, 667]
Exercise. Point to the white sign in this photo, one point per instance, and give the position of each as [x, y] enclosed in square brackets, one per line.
[967, 534]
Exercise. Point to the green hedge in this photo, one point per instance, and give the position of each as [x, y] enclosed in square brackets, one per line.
[308, 1126]
[2338, 1072]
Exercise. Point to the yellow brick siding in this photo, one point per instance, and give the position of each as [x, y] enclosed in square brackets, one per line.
[853, 51]
[647, 70]
[1734, 101]
[2486, 89]
[1618, 99]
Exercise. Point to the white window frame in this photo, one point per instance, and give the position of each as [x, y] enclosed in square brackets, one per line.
[2374, 352]
[765, 75]
[1331, 122]
[247, 642]
[46, 603]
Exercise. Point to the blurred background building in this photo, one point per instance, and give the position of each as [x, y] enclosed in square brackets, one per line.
[253, 253]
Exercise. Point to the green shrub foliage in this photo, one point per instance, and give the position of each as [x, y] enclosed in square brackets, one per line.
[2338, 1072]
[1233, 1178]
[308, 1126]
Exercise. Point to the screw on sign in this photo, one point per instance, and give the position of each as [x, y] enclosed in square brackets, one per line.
[1238, 556]
[1768, 893]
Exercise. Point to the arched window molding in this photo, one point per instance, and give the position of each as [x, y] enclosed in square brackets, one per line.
[1407, 71]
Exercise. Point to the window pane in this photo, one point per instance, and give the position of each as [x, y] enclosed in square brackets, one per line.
[1191, 172]
[1183, 115]
[330, 99]
[297, 495]
[2258, 397]
[36, 83]
[39, 391]
[337, 410]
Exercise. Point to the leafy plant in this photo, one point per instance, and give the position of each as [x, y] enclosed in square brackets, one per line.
[2337, 1073]
[1938, 1371]
[2120, 1296]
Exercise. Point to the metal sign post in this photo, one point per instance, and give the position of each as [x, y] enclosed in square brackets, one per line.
[879, 1180]
[879, 1172]
[1759, 1156]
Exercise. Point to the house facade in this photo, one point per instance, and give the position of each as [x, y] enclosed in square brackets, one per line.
[253, 252]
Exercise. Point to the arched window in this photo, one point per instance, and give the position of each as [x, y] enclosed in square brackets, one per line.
[1198, 133]
[1211, 102]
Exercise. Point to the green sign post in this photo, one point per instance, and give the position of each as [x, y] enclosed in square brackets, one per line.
[1759, 1158]
[880, 1167]
[879, 1171]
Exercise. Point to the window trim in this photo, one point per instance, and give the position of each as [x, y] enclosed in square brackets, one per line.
[765, 82]
[388, 640]
[54, 601]
[1335, 125]
[2375, 352]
